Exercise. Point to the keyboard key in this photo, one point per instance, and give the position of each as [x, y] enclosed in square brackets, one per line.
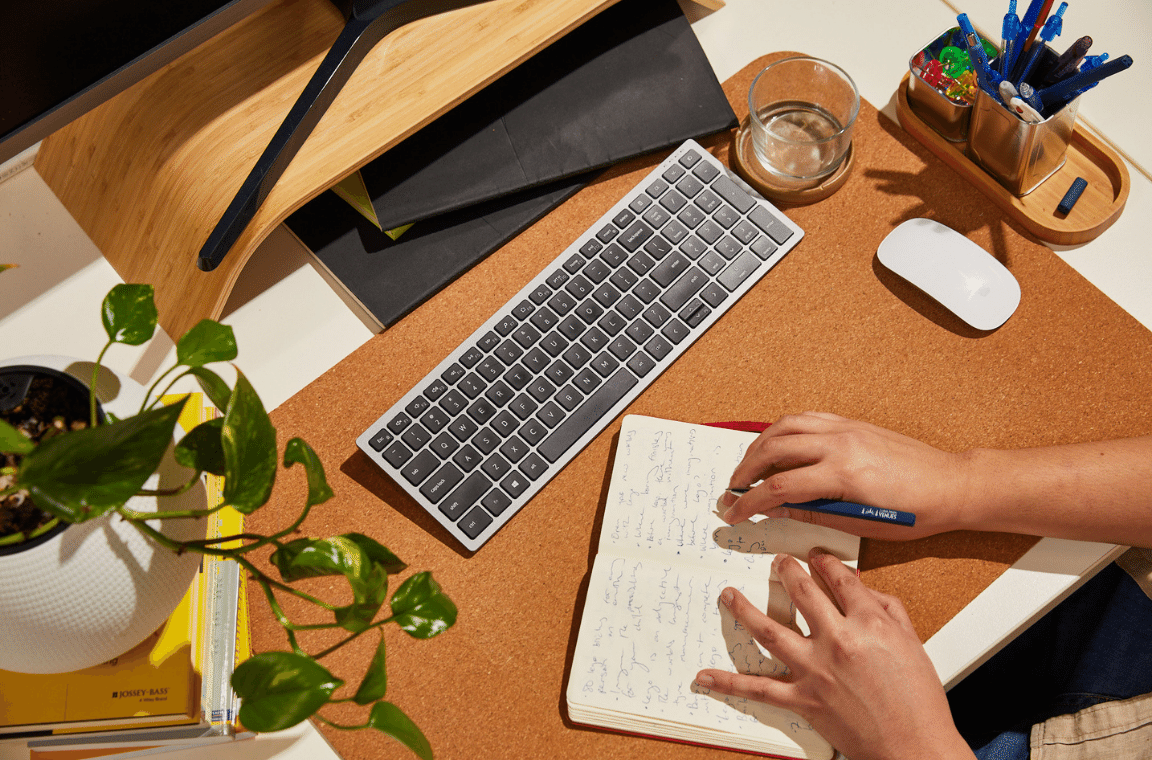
[397, 454]
[656, 216]
[611, 323]
[399, 422]
[577, 356]
[578, 287]
[686, 287]
[496, 467]
[490, 368]
[515, 484]
[707, 201]
[669, 269]
[444, 446]
[506, 325]
[728, 247]
[558, 278]
[435, 419]
[694, 313]
[738, 272]
[553, 343]
[675, 231]
[657, 315]
[606, 233]
[523, 406]
[706, 171]
[499, 394]
[623, 278]
[590, 248]
[509, 351]
[469, 493]
[550, 414]
[639, 331]
[418, 406]
[606, 295]
[541, 389]
[731, 192]
[691, 216]
[675, 331]
[505, 423]
[559, 372]
[415, 437]
[709, 232]
[496, 502]
[380, 440]
[540, 294]
[674, 172]
[605, 364]
[489, 341]
[474, 523]
[514, 449]
[587, 381]
[689, 159]
[763, 247]
[641, 364]
[481, 411]
[545, 319]
[453, 402]
[536, 361]
[569, 398]
[657, 247]
[745, 232]
[587, 415]
[463, 428]
[689, 186]
[589, 311]
[622, 348]
[532, 431]
[725, 216]
[439, 485]
[467, 458]
[646, 291]
[712, 263]
[640, 203]
[594, 339]
[673, 201]
[471, 356]
[713, 295]
[486, 441]
[693, 246]
[472, 386]
[561, 303]
[773, 227]
[635, 236]
[597, 271]
[526, 336]
[417, 470]
[533, 466]
[656, 189]
[629, 307]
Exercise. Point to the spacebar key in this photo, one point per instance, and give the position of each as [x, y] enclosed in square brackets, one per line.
[587, 415]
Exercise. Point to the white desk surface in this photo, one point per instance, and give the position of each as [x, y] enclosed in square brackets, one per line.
[291, 327]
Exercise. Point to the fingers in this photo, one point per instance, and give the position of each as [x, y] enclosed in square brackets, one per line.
[782, 642]
[850, 594]
[805, 593]
[759, 688]
[790, 487]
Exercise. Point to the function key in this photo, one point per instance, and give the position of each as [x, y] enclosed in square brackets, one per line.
[558, 278]
[471, 356]
[488, 342]
[606, 233]
[523, 309]
[380, 440]
[435, 390]
[540, 294]
[507, 324]
[452, 374]
[590, 248]
[573, 264]
[418, 406]
[398, 423]
[690, 158]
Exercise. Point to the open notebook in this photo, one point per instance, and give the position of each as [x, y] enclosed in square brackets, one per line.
[652, 618]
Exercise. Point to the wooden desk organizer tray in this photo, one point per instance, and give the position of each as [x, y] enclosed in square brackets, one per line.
[827, 329]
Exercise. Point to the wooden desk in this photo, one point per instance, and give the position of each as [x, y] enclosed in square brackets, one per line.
[827, 329]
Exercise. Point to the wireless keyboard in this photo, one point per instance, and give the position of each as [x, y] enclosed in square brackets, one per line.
[506, 411]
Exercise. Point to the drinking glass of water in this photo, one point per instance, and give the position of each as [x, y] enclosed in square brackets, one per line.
[801, 114]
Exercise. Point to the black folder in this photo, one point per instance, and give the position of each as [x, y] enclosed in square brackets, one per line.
[631, 80]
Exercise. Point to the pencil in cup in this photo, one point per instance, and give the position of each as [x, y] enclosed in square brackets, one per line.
[848, 509]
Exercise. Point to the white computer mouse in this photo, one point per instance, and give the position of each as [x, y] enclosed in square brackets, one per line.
[962, 276]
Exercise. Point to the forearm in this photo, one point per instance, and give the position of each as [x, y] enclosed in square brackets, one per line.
[1089, 491]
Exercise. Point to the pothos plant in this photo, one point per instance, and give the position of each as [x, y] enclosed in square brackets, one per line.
[88, 473]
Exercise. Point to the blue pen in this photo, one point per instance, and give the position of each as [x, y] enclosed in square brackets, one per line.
[848, 509]
[1026, 25]
[1055, 97]
[1051, 31]
[1028, 95]
[1008, 33]
[977, 55]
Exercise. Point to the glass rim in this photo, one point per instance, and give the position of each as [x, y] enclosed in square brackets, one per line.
[752, 115]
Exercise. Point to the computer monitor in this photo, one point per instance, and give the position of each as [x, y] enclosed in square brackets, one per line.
[61, 58]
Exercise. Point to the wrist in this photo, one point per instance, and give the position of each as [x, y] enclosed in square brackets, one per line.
[970, 499]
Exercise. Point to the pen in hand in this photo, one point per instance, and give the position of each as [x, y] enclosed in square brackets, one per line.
[846, 509]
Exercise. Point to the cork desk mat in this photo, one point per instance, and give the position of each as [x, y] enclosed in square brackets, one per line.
[827, 329]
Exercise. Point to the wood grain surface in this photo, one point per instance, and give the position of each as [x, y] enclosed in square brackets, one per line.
[827, 329]
[149, 173]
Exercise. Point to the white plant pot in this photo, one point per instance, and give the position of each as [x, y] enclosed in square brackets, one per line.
[98, 588]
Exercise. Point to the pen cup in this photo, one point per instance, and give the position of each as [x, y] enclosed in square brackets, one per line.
[1019, 155]
[947, 116]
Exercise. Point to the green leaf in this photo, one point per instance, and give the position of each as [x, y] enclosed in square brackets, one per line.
[299, 452]
[129, 314]
[280, 689]
[378, 553]
[312, 557]
[200, 449]
[87, 472]
[421, 609]
[390, 719]
[375, 683]
[249, 442]
[213, 386]
[369, 590]
[12, 441]
[208, 341]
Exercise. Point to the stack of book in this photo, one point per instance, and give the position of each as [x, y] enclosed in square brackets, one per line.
[173, 690]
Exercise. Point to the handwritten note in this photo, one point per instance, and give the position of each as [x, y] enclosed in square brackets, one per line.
[652, 618]
[662, 500]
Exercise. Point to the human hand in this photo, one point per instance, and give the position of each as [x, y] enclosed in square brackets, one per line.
[816, 455]
[862, 678]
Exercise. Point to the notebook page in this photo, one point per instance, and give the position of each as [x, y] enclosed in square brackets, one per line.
[648, 628]
[662, 497]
